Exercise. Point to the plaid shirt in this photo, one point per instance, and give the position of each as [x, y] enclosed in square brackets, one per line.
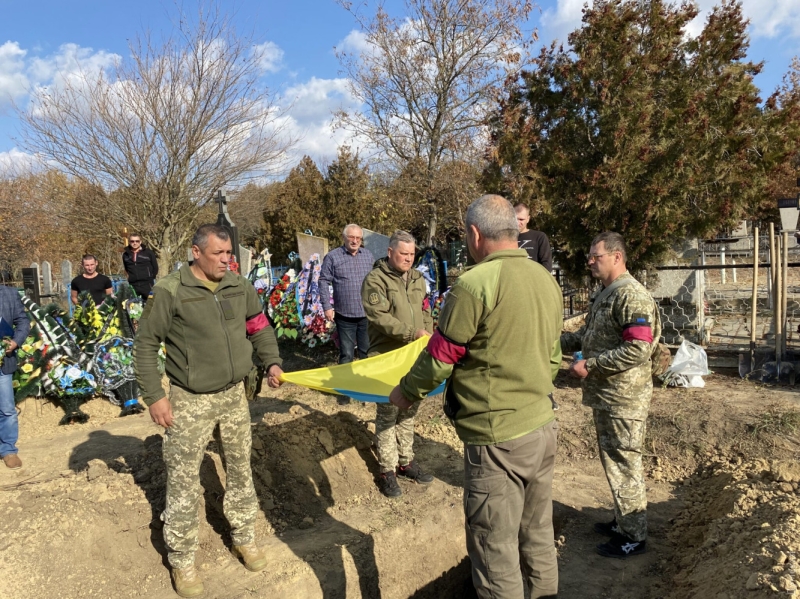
[345, 273]
[13, 312]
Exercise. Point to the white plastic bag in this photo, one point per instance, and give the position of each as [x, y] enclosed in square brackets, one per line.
[688, 367]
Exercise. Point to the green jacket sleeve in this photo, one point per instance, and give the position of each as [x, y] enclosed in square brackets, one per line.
[458, 322]
[555, 359]
[264, 341]
[630, 354]
[426, 374]
[378, 311]
[153, 328]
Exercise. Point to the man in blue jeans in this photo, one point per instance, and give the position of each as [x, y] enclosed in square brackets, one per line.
[345, 269]
[15, 325]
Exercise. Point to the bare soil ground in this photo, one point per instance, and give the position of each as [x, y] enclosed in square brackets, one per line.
[82, 517]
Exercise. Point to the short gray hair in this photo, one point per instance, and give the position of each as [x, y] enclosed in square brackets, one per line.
[200, 237]
[613, 242]
[351, 226]
[494, 217]
[399, 237]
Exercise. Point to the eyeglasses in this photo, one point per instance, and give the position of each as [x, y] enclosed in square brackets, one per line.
[136, 241]
[594, 257]
[354, 238]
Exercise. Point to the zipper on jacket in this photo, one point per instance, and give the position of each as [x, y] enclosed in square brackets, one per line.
[225, 332]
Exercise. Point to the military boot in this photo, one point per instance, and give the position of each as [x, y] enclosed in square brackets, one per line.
[187, 582]
[415, 473]
[252, 556]
[387, 483]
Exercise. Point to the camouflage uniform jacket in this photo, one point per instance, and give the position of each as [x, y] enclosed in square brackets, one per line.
[617, 342]
[394, 307]
[209, 336]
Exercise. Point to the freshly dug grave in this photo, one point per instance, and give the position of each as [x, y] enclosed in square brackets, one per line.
[82, 517]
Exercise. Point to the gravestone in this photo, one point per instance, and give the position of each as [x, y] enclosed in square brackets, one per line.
[245, 261]
[680, 295]
[66, 279]
[224, 220]
[376, 243]
[30, 283]
[308, 245]
[47, 279]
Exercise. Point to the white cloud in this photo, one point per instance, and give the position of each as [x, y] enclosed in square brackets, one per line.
[271, 57]
[559, 23]
[355, 43]
[308, 118]
[13, 81]
[768, 18]
[15, 162]
[71, 61]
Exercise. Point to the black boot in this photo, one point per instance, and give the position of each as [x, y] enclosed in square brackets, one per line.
[620, 546]
[608, 529]
[415, 473]
[387, 483]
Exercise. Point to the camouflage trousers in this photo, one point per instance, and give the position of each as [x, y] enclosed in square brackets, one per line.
[394, 430]
[195, 416]
[620, 441]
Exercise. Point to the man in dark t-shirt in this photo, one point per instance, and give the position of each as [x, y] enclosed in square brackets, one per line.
[99, 286]
[534, 242]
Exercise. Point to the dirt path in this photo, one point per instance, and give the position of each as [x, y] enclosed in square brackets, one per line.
[81, 519]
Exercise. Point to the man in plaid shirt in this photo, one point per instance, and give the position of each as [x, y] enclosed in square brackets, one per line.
[15, 325]
[345, 269]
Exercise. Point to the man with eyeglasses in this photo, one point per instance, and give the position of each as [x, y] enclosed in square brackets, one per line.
[617, 342]
[141, 265]
[345, 269]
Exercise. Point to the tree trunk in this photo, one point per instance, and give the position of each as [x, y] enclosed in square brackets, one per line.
[432, 220]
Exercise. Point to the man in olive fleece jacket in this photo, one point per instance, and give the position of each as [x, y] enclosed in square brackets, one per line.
[209, 319]
[498, 343]
[393, 294]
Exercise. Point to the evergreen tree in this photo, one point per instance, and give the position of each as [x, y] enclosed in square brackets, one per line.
[639, 129]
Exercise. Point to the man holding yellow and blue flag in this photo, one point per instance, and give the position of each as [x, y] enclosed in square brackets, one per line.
[393, 294]
[497, 343]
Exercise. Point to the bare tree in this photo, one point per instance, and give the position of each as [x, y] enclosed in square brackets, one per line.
[163, 129]
[428, 81]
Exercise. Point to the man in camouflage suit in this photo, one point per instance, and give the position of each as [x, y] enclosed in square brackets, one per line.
[617, 342]
[393, 293]
[210, 320]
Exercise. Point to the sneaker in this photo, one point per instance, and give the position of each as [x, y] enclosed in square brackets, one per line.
[387, 483]
[620, 546]
[415, 473]
[608, 529]
[187, 582]
[252, 556]
[12, 461]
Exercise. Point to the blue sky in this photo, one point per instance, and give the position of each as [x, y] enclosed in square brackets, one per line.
[40, 38]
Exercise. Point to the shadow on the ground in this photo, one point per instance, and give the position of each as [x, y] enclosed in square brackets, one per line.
[143, 460]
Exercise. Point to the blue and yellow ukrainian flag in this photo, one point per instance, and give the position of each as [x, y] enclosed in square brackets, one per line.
[365, 380]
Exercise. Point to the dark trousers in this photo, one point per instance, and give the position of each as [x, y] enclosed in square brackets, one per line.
[143, 289]
[352, 335]
[508, 489]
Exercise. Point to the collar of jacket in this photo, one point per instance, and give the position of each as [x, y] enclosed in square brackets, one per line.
[189, 280]
[501, 255]
[383, 264]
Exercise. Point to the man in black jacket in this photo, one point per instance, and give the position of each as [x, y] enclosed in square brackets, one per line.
[141, 266]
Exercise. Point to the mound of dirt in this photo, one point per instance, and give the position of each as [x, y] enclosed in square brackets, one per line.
[739, 531]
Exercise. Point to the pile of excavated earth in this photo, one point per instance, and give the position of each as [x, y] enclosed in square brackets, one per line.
[82, 518]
